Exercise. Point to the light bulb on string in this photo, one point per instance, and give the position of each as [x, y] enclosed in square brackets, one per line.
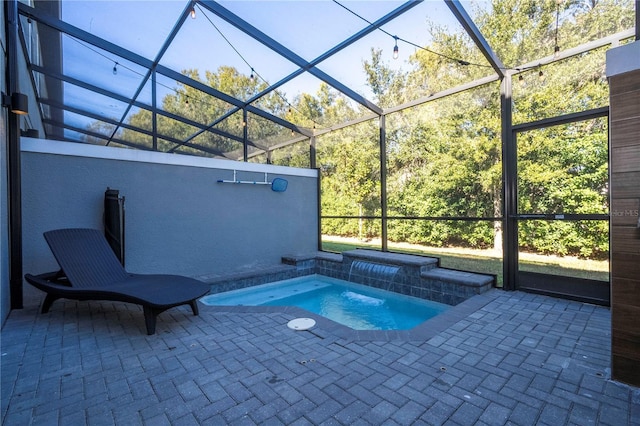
[252, 76]
[556, 48]
[395, 48]
[521, 79]
[193, 13]
[540, 75]
[115, 68]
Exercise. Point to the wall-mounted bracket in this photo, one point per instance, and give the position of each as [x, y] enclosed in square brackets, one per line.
[277, 185]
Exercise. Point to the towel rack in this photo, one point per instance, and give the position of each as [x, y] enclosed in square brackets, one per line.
[277, 185]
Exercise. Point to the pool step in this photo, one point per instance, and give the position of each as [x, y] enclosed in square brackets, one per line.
[458, 277]
[388, 258]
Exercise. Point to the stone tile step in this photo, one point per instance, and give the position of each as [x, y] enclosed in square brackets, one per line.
[454, 276]
[389, 258]
[293, 259]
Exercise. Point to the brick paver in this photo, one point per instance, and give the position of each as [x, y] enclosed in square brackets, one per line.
[520, 359]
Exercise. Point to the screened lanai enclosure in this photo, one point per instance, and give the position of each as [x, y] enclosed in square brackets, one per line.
[476, 131]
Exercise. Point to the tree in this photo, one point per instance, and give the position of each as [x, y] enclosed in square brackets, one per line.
[444, 157]
[196, 106]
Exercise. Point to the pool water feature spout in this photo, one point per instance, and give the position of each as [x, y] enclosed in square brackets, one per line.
[373, 270]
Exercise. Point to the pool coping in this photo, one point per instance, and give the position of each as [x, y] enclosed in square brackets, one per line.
[326, 328]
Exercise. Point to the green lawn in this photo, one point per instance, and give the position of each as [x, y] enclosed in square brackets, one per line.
[483, 263]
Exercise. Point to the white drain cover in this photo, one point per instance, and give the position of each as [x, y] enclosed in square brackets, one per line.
[301, 323]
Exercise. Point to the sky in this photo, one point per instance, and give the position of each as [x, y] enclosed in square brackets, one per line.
[306, 27]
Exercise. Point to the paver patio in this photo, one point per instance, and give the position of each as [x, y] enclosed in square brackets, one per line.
[519, 359]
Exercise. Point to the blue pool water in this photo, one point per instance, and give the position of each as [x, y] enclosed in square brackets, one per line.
[357, 306]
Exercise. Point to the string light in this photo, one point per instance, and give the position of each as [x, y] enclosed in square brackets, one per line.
[132, 70]
[540, 75]
[193, 13]
[395, 48]
[254, 74]
[417, 46]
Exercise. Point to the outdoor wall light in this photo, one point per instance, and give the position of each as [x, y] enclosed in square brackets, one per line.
[18, 103]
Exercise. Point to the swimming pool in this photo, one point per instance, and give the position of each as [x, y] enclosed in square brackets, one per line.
[357, 306]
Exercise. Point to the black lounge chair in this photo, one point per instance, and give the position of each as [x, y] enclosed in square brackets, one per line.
[90, 270]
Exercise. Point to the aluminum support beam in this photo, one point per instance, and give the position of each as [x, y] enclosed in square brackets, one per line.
[470, 27]
[272, 44]
[144, 62]
[123, 142]
[414, 103]
[509, 189]
[154, 115]
[14, 173]
[151, 70]
[383, 181]
[313, 154]
[245, 136]
[637, 20]
[563, 119]
[226, 98]
[98, 42]
[337, 48]
[443, 94]
[575, 51]
[125, 99]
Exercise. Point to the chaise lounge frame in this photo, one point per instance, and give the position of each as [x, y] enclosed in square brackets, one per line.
[90, 270]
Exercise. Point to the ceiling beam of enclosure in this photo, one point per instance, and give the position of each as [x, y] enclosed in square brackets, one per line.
[613, 39]
[286, 53]
[346, 43]
[98, 117]
[107, 46]
[125, 99]
[470, 27]
[261, 37]
[156, 61]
